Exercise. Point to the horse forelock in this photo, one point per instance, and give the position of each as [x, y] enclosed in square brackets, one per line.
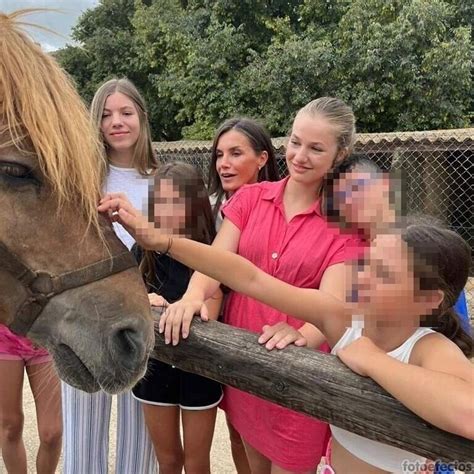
[40, 111]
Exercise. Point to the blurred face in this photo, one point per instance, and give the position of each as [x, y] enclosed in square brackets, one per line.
[363, 199]
[384, 287]
[169, 208]
[237, 162]
[120, 123]
[312, 149]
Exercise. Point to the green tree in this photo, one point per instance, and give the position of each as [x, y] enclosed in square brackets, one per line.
[77, 61]
[291, 73]
[203, 46]
[109, 44]
[393, 67]
[403, 64]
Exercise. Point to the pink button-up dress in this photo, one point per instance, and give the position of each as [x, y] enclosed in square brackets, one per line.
[297, 252]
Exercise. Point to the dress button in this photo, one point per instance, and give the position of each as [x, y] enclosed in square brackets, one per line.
[274, 255]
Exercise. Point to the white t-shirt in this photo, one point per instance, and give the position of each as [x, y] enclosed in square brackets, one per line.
[135, 186]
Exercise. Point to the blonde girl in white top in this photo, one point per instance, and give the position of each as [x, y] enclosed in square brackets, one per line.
[119, 113]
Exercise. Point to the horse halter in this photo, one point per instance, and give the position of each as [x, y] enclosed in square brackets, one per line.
[42, 286]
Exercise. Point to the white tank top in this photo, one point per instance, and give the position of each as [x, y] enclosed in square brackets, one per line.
[378, 454]
[130, 182]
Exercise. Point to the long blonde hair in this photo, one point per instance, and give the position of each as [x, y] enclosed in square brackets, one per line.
[144, 159]
[42, 114]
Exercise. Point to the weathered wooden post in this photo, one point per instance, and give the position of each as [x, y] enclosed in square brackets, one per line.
[309, 382]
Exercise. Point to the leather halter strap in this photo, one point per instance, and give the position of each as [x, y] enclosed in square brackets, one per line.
[41, 286]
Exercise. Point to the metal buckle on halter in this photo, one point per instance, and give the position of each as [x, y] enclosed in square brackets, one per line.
[39, 300]
[43, 284]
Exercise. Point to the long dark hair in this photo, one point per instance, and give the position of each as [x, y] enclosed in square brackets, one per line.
[199, 224]
[259, 139]
[441, 260]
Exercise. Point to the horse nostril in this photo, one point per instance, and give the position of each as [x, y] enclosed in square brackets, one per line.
[127, 340]
[128, 345]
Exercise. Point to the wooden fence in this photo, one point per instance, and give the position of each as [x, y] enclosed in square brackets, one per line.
[313, 383]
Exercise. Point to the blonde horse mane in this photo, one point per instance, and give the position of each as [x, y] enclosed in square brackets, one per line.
[41, 110]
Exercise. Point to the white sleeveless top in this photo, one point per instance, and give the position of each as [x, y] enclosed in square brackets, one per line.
[375, 453]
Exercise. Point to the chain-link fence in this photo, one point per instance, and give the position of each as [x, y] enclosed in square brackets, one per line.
[437, 167]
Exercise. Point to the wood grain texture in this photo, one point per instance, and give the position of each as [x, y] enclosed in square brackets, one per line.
[310, 382]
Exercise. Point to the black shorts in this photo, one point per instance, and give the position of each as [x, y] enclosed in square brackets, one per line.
[165, 385]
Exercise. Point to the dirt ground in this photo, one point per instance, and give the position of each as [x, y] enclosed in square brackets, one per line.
[221, 460]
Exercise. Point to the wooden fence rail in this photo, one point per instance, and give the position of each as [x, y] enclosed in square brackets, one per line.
[313, 383]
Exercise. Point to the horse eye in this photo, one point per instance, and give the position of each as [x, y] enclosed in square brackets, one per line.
[14, 170]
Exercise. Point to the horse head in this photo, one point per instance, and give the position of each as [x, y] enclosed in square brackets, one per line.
[65, 279]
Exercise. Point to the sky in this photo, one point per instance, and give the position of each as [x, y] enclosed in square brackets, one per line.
[61, 23]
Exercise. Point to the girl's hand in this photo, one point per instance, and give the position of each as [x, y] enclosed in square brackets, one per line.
[177, 319]
[119, 209]
[281, 335]
[157, 300]
[359, 354]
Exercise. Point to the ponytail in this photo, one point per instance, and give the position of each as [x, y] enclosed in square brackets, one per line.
[441, 259]
[450, 326]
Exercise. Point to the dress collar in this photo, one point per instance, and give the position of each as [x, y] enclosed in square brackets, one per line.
[275, 193]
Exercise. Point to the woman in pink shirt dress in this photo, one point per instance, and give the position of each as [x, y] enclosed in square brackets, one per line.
[279, 227]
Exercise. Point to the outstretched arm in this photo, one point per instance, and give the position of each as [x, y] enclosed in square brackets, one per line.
[282, 334]
[303, 303]
[309, 305]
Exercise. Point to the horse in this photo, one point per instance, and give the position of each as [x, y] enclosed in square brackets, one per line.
[66, 281]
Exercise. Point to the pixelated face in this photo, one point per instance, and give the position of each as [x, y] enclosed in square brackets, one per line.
[237, 162]
[384, 288]
[120, 124]
[169, 208]
[312, 149]
[362, 198]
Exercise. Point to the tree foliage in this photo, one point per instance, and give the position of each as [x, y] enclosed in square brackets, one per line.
[402, 64]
